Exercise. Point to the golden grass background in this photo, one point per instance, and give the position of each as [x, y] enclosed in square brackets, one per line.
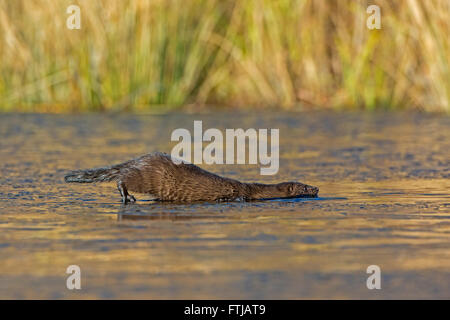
[163, 54]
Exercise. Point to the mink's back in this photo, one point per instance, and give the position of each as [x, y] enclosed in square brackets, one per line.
[158, 175]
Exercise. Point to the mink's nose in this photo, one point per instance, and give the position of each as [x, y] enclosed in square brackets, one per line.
[314, 191]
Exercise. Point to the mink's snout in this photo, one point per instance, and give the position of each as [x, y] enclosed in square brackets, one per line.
[313, 191]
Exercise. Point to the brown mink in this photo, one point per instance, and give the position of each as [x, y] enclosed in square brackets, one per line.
[156, 174]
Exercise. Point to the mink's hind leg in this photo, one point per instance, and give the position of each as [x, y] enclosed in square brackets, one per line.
[126, 197]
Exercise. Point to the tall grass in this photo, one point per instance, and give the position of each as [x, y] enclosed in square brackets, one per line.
[160, 54]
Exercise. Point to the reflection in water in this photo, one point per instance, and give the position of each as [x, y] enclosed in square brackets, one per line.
[384, 200]
[135, 211]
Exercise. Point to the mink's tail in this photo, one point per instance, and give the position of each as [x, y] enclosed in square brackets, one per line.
[93, 175]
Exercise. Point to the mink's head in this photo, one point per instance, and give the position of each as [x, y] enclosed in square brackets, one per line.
[297, 189]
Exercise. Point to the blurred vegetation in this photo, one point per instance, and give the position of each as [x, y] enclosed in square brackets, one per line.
[163, 54]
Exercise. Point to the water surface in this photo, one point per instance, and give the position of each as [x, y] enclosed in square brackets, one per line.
[384, 200]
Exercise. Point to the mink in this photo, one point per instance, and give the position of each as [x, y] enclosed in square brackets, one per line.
[166, 180]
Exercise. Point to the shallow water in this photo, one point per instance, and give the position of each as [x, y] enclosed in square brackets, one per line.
[384, 200]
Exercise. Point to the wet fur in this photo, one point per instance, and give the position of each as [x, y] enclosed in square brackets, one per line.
[156, 174]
